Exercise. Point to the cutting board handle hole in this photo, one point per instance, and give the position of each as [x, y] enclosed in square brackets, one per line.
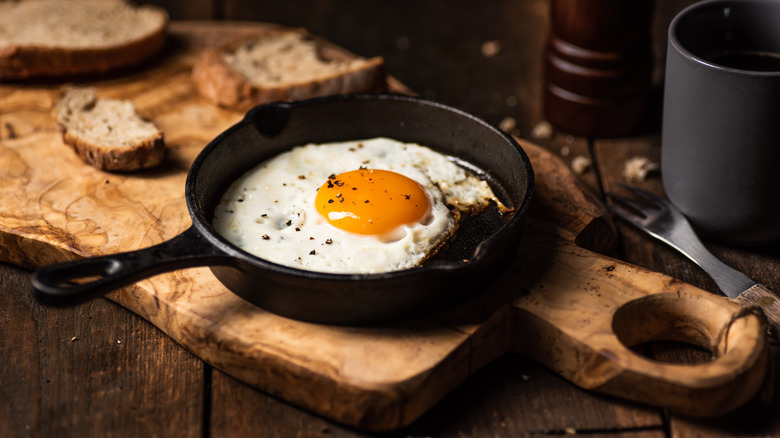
[674, 352]
[664, 328]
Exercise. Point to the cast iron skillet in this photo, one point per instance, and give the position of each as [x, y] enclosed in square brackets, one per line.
[482, 247]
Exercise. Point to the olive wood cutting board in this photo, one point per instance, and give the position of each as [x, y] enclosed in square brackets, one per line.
[560, 302]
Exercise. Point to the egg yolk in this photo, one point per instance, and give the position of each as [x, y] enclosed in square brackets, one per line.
[371, 201]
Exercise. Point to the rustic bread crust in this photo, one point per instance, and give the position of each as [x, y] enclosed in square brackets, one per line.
[22, 61]
[222, 85]
[142, 154]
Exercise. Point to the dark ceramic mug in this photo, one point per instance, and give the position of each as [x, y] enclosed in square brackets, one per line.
[720, 153]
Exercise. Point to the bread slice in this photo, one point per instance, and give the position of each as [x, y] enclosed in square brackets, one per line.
[58, 38]
[282, 65]
[108, 133]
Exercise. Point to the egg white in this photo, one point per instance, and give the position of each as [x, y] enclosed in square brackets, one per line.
[270, 211]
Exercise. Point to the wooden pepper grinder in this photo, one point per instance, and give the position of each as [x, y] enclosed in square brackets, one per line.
[598, 66]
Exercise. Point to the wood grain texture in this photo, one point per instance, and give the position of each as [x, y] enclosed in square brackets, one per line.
[755, 418]
[765, 301]
[63, 373]
[531, 402]
[380, 378]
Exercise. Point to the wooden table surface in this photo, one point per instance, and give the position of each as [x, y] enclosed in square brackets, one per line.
[99, 370]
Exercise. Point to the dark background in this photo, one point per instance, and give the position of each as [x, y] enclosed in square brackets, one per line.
[434, 46]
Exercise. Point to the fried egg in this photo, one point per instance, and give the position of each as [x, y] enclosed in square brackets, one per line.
[365, 206]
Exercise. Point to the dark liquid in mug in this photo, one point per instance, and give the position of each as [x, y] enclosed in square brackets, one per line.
[754, 61]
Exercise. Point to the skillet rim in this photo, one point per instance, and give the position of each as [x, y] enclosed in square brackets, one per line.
[205, 228]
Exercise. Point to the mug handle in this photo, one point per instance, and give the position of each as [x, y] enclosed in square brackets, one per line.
[69, 283]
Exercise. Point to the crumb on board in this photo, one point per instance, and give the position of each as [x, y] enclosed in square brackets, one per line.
[580, 164]
[402, 43]
[491, 48]
[637, 169]
[507, 124]
[565, 151]
[542, 131]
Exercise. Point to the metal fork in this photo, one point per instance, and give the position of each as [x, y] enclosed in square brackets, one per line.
[665, 222]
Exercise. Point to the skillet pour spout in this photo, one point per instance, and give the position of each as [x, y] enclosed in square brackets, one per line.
[478, 252]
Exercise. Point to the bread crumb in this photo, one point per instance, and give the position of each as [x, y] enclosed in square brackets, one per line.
[511, 101]
[491, 48]
[74, 339]
[637, 169]
[507, 124]
[571, 431]
[524, 377]
[565, 151]
[542, 131]
[402, 43]
[580, 164]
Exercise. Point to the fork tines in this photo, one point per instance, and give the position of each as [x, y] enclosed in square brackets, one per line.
[638, 211]
[650, 197]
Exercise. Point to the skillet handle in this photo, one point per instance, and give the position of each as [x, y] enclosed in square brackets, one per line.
[54, 284]
[583, 312]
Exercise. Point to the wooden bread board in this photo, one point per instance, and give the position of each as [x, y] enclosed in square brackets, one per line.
[559, 302]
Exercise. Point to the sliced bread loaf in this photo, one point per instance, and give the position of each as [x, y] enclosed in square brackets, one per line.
[58, 38]
[108, 133]
[282, 65]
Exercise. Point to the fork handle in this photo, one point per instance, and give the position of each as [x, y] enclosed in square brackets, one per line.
[761, 297]
[729, 280]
